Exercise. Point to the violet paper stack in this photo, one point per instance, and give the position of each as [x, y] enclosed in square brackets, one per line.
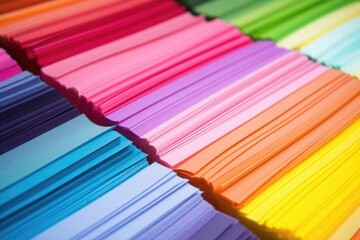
[179, 119]
[29, 108]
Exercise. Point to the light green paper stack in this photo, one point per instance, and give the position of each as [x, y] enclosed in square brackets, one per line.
[270, 19]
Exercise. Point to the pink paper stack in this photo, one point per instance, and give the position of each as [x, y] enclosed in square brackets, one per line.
[8, 67]
[110, 76]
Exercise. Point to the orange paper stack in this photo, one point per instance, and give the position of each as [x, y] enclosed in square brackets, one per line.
[239, 166]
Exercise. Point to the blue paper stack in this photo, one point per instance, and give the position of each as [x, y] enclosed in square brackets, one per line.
[154, 204]
[339, 48]
[57, 173]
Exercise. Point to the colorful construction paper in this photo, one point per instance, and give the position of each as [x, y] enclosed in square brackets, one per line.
[8, 67]
[255, 103]
[322, 208]
[29, 108]
[154, 203]
[104, 92]
[54, 175]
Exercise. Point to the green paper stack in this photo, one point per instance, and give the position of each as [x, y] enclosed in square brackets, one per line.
[270, 19]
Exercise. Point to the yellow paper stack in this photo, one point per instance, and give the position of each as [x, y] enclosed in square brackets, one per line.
[319, 198]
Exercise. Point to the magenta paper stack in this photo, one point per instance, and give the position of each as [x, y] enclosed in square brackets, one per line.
[8, 67]
[54, 30]
[106, 78]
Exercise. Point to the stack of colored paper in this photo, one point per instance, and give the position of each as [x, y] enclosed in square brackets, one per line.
[8, 67]
[153, 204]
[239, 163]
[339, 48]
[269, 19]
[150, 116]
[52, 176]
[234, 130]
[332, 39]
[327, 31]
[8, 6]
[319, 198]
[317, 28]
[180, 119]
[237, 125]
[53, 30]
[172, 48]
[238, 166]
[29, 108]
[270, 136]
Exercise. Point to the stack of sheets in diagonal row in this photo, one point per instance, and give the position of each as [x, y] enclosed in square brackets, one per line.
[53, 30]
[327, 31]
[8, 6]
[185, 116]
[238, 124]
[77, 162]
[154, 204]
[29, 108]
[57, 173]
[62, 162]
[319, 198]
[172, 49]
[77, 40]
[8, 67]
[270, 136]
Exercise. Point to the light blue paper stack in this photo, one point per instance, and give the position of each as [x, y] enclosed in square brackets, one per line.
[340, 48]
[54, 175]
[153, 204]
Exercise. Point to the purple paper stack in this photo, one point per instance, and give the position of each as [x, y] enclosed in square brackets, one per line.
[29, 108]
